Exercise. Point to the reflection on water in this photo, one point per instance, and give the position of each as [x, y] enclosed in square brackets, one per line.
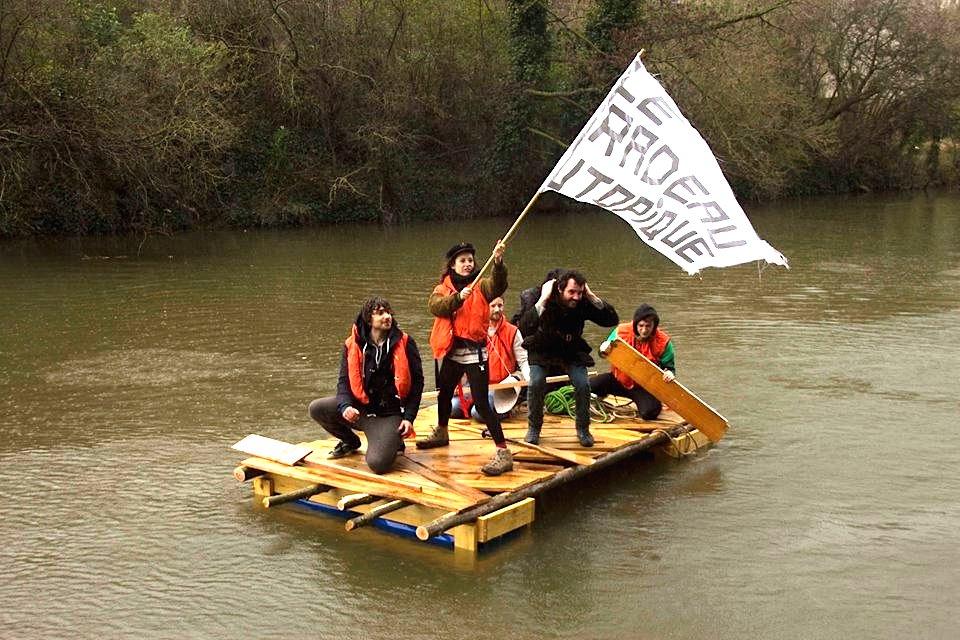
[127, 372]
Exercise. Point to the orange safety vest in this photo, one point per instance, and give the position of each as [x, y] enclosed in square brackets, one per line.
[401, 367]
[652, 349]
[501, 360]
[469, 321]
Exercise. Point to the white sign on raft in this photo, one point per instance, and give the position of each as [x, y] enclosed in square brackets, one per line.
[639, 158]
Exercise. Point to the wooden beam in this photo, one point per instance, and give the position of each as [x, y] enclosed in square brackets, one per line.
[441, 524]
[493, 525]
[678, 397]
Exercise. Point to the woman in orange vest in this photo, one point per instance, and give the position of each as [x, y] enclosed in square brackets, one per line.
[645, 335]
[461, 315]
[379, 390]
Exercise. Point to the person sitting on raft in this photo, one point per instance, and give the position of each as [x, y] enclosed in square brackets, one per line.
[458, 341]
[645, 335]
[506, 358]
[379, 390]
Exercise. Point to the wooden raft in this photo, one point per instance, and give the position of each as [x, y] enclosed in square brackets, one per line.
[442, 495]
[442, 490]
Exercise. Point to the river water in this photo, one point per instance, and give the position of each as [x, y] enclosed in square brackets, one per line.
[832, 508]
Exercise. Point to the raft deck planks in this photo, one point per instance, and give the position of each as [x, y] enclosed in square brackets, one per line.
[454, 476]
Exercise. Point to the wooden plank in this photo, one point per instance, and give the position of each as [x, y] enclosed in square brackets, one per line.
[650, 376]
[276, 450]
[430, 496]
[409, 463]
[550, 451]
[315, 462]
[566, 475]
[493, 525]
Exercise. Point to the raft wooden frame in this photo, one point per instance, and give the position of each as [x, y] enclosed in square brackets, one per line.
[442, 490]
[430, 492]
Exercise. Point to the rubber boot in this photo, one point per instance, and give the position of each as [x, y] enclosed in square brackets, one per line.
[501, 462]
[586, 440]
[533, 435]
[437, 438]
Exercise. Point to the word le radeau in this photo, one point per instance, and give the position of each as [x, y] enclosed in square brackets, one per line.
[640, 159]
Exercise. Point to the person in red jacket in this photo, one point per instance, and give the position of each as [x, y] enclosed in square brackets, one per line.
[379, 389]
[645, 335]
[461, 310]
[505, 357]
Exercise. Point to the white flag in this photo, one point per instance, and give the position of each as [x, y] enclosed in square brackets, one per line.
[639, 158]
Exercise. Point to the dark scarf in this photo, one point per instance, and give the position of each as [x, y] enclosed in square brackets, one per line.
[459, 282]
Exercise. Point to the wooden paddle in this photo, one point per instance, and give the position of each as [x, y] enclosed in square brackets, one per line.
[650, 377]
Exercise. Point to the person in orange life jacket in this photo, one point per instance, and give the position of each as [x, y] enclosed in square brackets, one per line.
[553, 336]
[505, 357]
[379, 389]
[645, 335]
[460, 306]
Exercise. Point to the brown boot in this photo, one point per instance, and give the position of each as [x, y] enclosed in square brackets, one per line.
[500, 463]
[437, 438]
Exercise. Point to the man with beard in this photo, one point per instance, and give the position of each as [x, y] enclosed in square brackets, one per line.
[553, 331]
[645, 335]
[379, 390]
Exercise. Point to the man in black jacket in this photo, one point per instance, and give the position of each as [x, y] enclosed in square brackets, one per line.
[554, 330]
[379, 390]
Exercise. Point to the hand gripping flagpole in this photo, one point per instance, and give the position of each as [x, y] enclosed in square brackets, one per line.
[516, 223]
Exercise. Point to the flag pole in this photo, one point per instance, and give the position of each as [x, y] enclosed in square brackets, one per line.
[509, 234]
[523, 213]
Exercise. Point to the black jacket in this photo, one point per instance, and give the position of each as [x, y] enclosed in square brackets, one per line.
[556, 337]
[378, 379]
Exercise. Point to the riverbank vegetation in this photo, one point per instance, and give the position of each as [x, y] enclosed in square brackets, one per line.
[147, 116]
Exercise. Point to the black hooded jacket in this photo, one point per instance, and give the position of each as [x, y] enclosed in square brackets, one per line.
[378, 376]
[556, 336]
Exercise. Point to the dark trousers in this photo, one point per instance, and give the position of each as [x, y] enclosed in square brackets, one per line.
[448, 377]
[537, 390]
[383, 437]
[606, 384]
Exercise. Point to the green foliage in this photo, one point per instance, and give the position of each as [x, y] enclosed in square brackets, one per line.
[134, 116]
[605, 17]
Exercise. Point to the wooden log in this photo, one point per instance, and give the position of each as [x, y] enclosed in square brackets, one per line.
[355, 500]
[678, 397]
[306, 492]
[243, 473]
[373, 514]
[441, 524]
